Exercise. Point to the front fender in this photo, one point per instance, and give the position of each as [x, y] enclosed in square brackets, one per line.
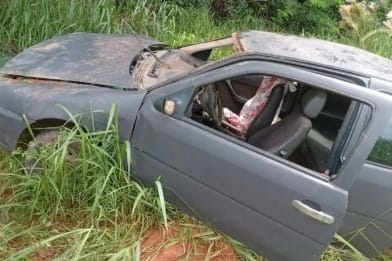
[42, 99]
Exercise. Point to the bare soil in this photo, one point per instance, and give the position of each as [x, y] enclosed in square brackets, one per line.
[161, 245]
[45, 255]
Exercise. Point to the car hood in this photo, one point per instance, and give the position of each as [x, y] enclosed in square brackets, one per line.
[97, 59]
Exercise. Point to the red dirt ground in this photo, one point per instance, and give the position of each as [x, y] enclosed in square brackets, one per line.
[160, 245]
[45, 255]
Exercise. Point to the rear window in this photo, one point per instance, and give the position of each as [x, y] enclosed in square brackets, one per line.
[382, 151]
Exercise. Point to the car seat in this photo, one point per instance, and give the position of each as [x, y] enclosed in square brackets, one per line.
[283, 137]
[266, 116]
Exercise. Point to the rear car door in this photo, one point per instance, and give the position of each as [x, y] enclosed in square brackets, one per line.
[250, 195]
[368, 221]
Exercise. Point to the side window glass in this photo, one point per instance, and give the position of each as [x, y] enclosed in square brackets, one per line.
[382, 151]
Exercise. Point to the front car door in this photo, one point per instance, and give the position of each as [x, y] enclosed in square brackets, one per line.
[244, 192]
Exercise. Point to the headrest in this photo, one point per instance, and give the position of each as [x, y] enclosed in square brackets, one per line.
[313, 102]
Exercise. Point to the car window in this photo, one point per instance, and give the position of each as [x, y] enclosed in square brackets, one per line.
[382, 151]
[288, 118]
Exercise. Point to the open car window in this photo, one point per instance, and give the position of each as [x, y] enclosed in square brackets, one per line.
[287, 118]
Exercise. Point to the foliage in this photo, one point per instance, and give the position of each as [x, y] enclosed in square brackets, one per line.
[382, 7]
[353, 15]
[27, 22]
[294, 15]
[3, 58]
[371, 31]
[188, 3]
[314, 16]
[382, 152]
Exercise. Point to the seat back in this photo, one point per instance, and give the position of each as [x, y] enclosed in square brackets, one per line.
[286, 135]
[265, 118]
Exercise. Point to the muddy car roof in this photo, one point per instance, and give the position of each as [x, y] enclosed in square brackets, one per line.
[315, 51]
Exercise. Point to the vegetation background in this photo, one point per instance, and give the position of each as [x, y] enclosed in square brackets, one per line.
[86, 206]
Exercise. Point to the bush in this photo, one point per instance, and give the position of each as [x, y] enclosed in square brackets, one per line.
[315, 16]
[294, 15]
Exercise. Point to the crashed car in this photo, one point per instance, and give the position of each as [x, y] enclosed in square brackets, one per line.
[315, 160]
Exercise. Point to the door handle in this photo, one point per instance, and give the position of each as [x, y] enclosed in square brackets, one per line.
[313, 213]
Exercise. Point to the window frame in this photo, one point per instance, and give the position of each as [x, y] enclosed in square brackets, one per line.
[350, 116]
[258, 64]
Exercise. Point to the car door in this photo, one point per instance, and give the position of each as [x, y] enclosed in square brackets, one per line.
[368, 221]
[280, 209]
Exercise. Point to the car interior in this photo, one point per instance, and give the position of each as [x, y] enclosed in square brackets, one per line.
[308, 122]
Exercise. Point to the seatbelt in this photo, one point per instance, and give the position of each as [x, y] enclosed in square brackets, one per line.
[288, 87]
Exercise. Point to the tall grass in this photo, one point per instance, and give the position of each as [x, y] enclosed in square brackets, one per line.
[25, 22]
[3, 58]
[379, 43]
[90, 190]
[83, 205]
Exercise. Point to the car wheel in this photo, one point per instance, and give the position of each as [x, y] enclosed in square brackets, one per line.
[44, 139]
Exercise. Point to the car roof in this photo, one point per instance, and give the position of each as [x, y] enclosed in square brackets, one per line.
[315, 51]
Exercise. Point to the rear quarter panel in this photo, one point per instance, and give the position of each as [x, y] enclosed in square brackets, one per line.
[368, 221]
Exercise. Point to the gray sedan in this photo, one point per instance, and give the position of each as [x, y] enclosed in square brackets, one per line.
[312, 158]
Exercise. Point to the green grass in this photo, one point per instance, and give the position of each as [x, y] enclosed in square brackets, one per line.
[3, 58]
[24, 22]
[87, 206]
[370, 37]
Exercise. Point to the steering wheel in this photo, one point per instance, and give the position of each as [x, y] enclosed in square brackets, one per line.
[218, 110]
[211, 103]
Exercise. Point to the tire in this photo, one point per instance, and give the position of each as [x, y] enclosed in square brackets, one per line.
[43, 139]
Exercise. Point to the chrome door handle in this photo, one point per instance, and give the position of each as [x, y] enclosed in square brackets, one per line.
[313, 213]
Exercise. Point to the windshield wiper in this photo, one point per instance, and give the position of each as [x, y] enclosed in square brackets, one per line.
[147, 48]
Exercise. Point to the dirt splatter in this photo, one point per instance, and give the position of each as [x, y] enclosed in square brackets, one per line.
[161, 245]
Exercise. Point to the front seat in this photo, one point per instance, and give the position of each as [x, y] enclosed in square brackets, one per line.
[264, 118]
[285, 136]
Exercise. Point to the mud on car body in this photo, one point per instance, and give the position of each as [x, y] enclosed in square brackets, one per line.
[312, 162]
